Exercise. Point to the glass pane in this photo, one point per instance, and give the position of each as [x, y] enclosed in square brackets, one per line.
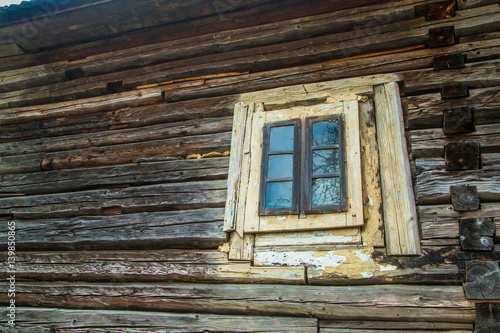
[326, 133]
[326, 162]
[279, 195]
[280, 166]
[281, 139]
[326, 191]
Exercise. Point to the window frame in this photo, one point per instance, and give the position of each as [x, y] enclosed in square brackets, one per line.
[266, 135]
[308, 176]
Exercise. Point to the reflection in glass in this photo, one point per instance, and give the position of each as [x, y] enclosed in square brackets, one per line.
[279, 195]
[326, 162]
[281, 139]
[326, 191]
[280, 166]
[326, 133]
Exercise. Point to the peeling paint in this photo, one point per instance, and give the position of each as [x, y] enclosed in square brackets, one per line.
[385, 268]
[326, 259]
[366, 275]
[364, 257]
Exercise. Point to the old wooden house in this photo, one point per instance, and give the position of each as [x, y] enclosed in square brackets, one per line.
[250, 166]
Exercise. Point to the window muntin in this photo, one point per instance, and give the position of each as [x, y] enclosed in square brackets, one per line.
[314, 183]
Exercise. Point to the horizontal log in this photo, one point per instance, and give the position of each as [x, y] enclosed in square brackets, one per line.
[433, 182]
[431, 142]
[117, 154]
[123, 175]
[210, 193]
[35, 320]
[397, 60]
[116, 137]
[199, 228]
[82, 106]
[147, 266]
[55, 121]
[474, 75]
[382, 302]
[426, 111]
[235, 39]
[393, 325]
[441, 221]
[322, 48]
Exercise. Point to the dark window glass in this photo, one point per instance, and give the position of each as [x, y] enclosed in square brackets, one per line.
[326, 192]
[279, 195]
[326, 162]
[326, 133]
[282, 139]
[280, 166]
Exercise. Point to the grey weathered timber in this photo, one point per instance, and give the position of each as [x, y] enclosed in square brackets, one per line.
[81, 321]
[380, 302]
[476, 234]
[377, 326]
[211, 193]
[464, 198]
[431, 142]
[201, 266]
[488, 318]
[117, 154]
[337, 46]
[141, 173]
[441, 221]
[433, 182]
[197, 228]
[151, 55]
[482, 280]
[116, 137]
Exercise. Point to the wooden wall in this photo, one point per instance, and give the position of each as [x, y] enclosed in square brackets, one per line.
[113, 166]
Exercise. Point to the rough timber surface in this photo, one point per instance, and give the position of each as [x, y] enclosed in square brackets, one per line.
[404, 302]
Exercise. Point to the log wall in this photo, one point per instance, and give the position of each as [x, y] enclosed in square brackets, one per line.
[114, 162]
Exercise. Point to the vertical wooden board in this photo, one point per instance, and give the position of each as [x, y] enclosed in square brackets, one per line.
[241, 248]
[373, 232]
[353, 158]
[245, 172]
[252, 204]
[239, 121]
[400, 214]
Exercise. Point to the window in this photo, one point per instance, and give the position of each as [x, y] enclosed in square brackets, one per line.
[296, 169]
[303, 174]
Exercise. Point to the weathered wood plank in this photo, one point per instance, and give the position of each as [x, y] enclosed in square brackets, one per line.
[117, 154]
[211, 193]
[199, 228]
[394, 325]
[200, 266]
[116, 137]
[475, 75]
[354, 215]
[441, 221]
[400, 216]
[141, 173]
[382, 302]
[431, 142]
[482, 280]
[326, 47]
[433, 182]
[60, 119]
[235, 164]
[264, 34]
[64, 320]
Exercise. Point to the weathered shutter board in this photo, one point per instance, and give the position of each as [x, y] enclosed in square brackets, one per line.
[353, 157]
[239, 121]
[400, 215]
